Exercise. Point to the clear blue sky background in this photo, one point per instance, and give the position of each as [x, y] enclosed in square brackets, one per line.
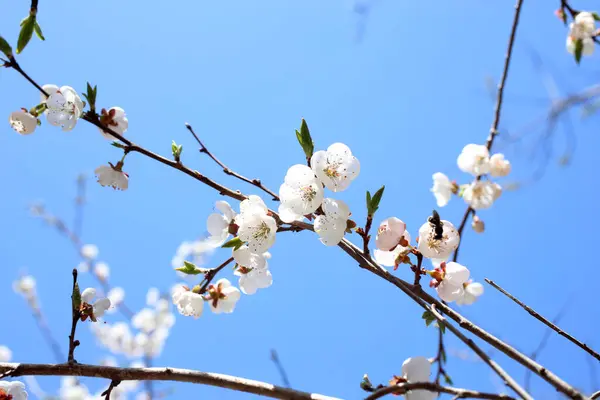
[406, 98]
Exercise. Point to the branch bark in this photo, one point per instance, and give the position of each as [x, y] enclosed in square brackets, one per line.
[433, 387]
[161, 374]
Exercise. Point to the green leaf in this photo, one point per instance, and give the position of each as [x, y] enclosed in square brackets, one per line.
[442, 327]
[448, 380]
[90, 96]
[76, 297]
[305, 140]
[443, 356]
[366, 384]
[27, 27]
[190, 269]
[176, 150]
[578, 50]
[234, 243]
[38, 31]
[118, 145]
[596, 16]
[5, 48]
[375, 200]
[428, 317]
[368, 200]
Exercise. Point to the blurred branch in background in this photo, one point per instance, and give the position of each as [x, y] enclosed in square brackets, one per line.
[277, 362]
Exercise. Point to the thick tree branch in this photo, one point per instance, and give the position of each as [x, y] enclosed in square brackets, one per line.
[226, 170]
[545, 321]
[160, 374]
[433, 387]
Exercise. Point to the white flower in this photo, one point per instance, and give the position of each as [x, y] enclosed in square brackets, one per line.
[25, 286]
[442, 189]
[390, 232]
[449, 281]
[116, 296]
[14, 390]
[477, 224]
[472, 291]
[99, 307]
[5, 354]
[188, 303]
[249, 260]
[474, 159]
[71, 389]
[89, 251]
[218, 224]
[499, 166]
[64, 108]
[116, 120]
[584, 26]
[223, 296]
[440, 248]
[481, 194]
[22, 122]
[102, 271]
[588, 45]
[152, 296]
[388, 258]
[50, 89]
[301, 193]
[255, 226]
[252, 280]
[332, 225]
[336, 167]
[109, 175]
[145, 320]
[417, 369]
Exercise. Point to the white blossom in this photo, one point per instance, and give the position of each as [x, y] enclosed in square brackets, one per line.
[50, 89]
[249, 260]
[14, 390]
[188, 303]
[499, 166]
[481, 194]
[217, 224]
[109, 175]
[252, 280]
[89, 251]
[5, 354]
[438, 248]
[102, 270]
[64, 108]
[472, 291]
[449, 281]
[256, 227]
[477, 224]
[116, 120]
[71, 389]
[152, 296]
[99, 306]
[442, 188]
[25, 286]
[223, 296]
[116, 296]
[23, 122]
[388, 258]
[301, 193]
[588, 45]
[474, 159]
[390, 231]
[582, 28]
[333, 224]
[336, 167]
[417, 369]
[195, 252]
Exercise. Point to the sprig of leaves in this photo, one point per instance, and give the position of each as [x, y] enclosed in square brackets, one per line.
[373, 201]
[305, 140]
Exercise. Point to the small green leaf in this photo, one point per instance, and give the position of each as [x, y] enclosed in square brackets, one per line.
[76, 297]
[90, 96]
[176, 150]
[38, 31]
[190, 269]
[375, 200]
[305, 140]
[442, 327]
[27, 27]
[578, 50]
[596, 16]
[428, 317]
[368, 200]
[366, 384]
[443, 356]
[118, 145]
[234, 243]
[448, 380]
[5, 48]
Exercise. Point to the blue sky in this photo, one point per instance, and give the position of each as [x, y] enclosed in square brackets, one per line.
[406, 99]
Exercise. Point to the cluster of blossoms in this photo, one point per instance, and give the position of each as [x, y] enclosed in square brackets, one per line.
[63, 107]
[581, 34]
[153, 324]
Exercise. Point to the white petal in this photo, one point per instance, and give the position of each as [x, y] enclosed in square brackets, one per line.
[416, 369]
[216, 224]
[226, 209]
[336, 208]
[456, 274]
[88, 295]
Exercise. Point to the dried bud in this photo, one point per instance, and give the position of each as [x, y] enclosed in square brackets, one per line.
[478, 225]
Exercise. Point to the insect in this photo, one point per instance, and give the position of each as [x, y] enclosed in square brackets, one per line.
[437, 224]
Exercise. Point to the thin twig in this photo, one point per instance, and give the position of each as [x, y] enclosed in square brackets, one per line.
[210, 275]
[365, 234]
[160, 374]
[277, 362]
[107, 392]
[227, 170]
[499, 98]
[402, 388]
[147, 383]
[595, 395]
[441, 355]
[75, 318]
[545, 321]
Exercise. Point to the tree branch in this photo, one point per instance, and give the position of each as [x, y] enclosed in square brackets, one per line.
[107, 392]
[160, 374]
[210, 275]
[277, 362]
[226, 170]
[75, 318]
[433, 387]
[545, 321]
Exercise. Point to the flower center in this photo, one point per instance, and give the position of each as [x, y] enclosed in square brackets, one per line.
[17, 126]
[262, 231]
[332, 170]
[308, 193]
[436, 244]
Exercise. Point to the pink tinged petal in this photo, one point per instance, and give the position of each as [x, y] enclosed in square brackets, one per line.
[449, 292]
[88, 295]
[416, 369]
[456, 274]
